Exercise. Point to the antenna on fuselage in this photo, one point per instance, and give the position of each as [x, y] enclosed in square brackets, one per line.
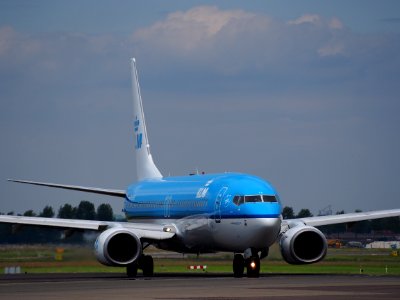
[145, 167]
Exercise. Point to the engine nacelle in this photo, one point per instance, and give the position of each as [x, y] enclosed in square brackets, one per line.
[303, 245]
[117, 247]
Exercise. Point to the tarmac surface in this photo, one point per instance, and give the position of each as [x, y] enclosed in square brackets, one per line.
[196, 287]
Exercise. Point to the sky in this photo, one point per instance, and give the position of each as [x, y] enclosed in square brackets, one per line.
[304, 94]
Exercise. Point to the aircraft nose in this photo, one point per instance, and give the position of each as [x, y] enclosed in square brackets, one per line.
[264, 231]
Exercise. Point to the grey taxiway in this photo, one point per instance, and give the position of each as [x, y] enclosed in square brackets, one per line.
[202, 286]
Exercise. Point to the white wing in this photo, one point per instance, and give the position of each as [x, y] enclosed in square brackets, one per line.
[148, 231]
[143, 230]
[345, 218]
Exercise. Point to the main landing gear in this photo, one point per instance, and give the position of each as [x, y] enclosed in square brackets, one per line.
[145, 263]
[250, 260]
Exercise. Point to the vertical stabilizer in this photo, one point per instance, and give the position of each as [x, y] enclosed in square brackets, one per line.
[145, 167]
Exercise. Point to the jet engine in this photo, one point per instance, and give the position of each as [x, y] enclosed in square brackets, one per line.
[303, 245]
[117, 247]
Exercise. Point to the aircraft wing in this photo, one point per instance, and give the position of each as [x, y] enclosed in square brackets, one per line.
[109, 192]
[142, 230]
[345, 218]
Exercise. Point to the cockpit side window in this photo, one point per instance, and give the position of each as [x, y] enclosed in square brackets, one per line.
[268, 198]
[238, 200]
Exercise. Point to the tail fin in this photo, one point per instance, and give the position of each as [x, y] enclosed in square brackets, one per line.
[145, 167]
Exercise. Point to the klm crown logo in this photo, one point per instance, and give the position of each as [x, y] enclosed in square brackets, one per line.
[136, 124]
[138, 136]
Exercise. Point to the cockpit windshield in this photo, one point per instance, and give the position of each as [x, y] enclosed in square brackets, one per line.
[256, 198]
[238, 200]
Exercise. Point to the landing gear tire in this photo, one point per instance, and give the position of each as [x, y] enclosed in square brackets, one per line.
[253, 266]
[147, 265]
[238, 265]
[131, 270]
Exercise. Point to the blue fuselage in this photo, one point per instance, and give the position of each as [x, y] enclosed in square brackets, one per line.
[208, 210]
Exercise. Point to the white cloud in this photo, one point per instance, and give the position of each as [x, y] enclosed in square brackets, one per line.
[209, 18]
[306, 19]
[197, 28]
[15, 44]
[332, 49]
[7, 35]
[335, 23]
[225, 41]
[231, 41]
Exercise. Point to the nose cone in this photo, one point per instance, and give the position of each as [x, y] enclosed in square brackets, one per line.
[262, 224]
[248, 233]
[263, 231]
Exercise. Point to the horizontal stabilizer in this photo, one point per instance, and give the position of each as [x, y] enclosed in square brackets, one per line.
[108, 192]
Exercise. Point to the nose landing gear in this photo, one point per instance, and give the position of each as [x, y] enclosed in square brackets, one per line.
[238, 265]
[253, 266]
[250, 260]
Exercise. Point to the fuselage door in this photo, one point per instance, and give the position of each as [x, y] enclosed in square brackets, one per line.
[218, 202]
[167, 206]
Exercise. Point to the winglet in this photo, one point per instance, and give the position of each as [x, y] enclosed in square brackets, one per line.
[145, 167]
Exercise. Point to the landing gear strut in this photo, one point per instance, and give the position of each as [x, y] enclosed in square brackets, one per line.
[145, 263]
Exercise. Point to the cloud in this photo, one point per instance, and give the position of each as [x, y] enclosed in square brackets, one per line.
[186, 31]
[6, 39]
[13, 43]
[202, 35]
[54, 58]
[332, 49]
[317, 20]
[335, 23]
[306, 19]
[203, 38]
[231, 41]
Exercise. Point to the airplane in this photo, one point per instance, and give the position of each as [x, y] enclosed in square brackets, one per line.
[201, 213]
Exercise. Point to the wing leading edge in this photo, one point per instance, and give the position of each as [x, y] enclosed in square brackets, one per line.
[142, 230]
[345, 218]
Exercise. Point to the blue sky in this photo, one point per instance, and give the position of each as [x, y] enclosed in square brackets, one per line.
[302, 93]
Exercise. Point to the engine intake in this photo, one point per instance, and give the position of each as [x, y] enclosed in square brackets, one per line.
[117, 247]
[303, 245]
